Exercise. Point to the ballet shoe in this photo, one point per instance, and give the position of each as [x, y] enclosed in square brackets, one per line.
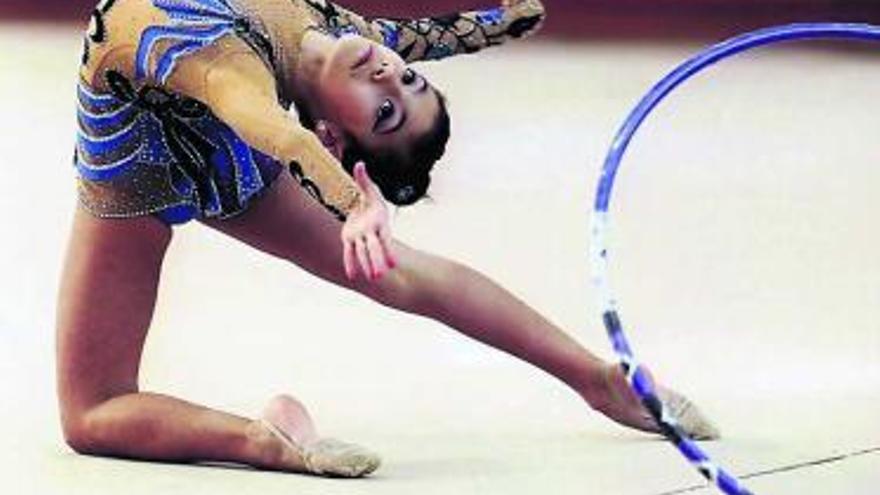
[289, 422]
[692, 421]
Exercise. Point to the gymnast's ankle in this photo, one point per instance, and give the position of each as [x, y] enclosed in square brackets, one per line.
[264, 451]
[602, 389]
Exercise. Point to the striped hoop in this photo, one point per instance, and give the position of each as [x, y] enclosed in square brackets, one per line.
[635, 374]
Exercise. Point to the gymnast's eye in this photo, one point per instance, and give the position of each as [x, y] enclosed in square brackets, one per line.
[409, 77]
[385, 111]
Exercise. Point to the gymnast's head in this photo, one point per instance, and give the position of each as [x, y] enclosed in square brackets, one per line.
[365, 104]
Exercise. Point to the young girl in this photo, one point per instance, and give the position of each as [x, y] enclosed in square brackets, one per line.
[185, 113]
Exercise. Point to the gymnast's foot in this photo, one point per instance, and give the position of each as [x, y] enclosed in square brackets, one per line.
[287, 434]
[620, 404]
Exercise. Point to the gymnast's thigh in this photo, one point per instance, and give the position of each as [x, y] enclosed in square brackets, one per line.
[105, 304]
[289, 224]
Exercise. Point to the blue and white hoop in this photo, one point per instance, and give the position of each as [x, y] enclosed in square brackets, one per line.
[635, 374]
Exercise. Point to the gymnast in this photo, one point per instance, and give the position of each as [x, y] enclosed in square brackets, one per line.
[287, 125]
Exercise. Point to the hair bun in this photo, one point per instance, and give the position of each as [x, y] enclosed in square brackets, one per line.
[405, 194]
[409, 191]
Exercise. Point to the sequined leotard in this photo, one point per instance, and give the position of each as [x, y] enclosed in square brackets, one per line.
[182, 107]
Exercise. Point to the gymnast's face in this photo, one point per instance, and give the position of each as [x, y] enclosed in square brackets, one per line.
[367, 91]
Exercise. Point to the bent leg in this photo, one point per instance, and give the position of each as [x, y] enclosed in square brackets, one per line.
[106, 300]
[288, 224]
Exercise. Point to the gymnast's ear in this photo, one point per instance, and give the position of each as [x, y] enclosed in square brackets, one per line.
[331, 137]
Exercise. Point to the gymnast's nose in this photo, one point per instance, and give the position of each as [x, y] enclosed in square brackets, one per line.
[382, 72]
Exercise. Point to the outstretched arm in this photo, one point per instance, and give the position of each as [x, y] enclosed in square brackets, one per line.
[241, 91]
[434, 38]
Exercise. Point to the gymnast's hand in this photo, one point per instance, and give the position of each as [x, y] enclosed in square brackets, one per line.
[530, 6]
[366, 234]
[513, 3]
[526, 17]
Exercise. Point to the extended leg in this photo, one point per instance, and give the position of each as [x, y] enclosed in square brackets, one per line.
[289, 225]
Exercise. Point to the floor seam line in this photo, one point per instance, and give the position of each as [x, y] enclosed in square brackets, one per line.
[786, 468]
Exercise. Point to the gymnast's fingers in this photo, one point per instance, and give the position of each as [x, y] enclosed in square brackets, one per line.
[384, 234]
[348, 259]
[377, 256]
[369, 188]
[363, 257]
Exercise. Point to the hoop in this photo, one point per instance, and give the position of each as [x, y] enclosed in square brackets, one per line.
[635, 375]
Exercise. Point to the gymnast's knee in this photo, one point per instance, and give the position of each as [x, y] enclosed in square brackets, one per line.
[79, 433]
[86, 428]
[413, 286]
[394, 289]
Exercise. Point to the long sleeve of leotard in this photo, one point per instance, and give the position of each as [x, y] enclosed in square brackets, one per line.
[241, 91]
[433, 38]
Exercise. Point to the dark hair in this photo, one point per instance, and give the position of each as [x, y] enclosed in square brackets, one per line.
[404, 176]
